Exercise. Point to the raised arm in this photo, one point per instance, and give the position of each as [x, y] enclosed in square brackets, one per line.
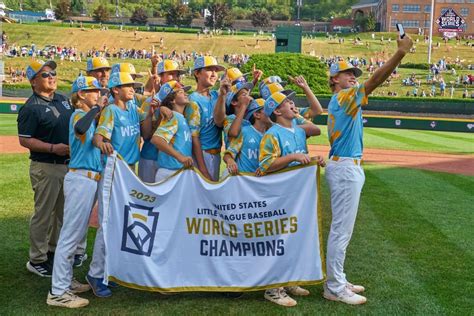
[381, 74]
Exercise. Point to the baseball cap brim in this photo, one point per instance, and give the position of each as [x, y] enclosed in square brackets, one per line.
[180, 72]
[138, 75]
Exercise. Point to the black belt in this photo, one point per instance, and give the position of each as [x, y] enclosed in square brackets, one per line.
[54, 161]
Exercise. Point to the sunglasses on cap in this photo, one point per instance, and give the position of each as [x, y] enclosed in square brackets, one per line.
[47, 74]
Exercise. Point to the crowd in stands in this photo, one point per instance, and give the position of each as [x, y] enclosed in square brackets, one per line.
[434, 77]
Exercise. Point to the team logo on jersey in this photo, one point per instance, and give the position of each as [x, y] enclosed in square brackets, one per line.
[139, 229]
[252, 140]
[66, 105]
[287, 143]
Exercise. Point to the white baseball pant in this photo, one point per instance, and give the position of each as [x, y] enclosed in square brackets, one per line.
[80, 193]
[345, 179]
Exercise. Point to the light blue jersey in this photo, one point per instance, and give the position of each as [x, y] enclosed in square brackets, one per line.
[177, 133]
[122, 128]
[84, 155]
[245, 149]
[345, 125]
[229, 119]
[279, 141]
[203, 123]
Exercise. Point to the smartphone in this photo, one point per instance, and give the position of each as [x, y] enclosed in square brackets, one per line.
[400, 29]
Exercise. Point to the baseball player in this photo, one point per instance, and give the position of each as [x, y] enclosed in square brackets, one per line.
[205, 125]
[344, 173]
[173, 136]
[80, 192]
[283, 145]
[99, 68]
[167, 70]
[120, 125]
[243, 151]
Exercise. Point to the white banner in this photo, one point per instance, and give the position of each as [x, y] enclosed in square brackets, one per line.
[186, 234]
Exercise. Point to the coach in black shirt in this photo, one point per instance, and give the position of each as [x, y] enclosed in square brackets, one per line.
[43, 128]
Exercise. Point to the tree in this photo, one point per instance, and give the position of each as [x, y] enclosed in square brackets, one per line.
[101, 14]
[179, 15]
[221, 16]
[370, 25]
[77, 6]
[63, 10]
[260, 18]
[139, 16]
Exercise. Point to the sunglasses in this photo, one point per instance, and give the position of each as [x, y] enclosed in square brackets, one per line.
[47, 74]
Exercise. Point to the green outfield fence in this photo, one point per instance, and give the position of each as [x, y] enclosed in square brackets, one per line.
[370, 120]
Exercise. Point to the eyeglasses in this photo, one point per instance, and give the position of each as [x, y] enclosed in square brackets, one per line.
[47, 74]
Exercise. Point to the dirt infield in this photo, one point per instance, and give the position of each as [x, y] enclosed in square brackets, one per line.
[458, 164]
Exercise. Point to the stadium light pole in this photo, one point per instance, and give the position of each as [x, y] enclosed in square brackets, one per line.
[430, 43]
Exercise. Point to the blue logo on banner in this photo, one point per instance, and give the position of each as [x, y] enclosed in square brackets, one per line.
[139, 229]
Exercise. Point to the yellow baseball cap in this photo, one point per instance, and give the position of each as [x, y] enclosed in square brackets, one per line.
[266, 90]
[235, 75]
[168, 88]
[84, 83]
[207, 61]
[169, 65]
[96, 63]
[122, 78]
[343, 65]
[126, 67]
[274, 101]
[36, 65]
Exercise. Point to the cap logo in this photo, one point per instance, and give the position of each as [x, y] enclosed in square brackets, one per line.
[199, 62]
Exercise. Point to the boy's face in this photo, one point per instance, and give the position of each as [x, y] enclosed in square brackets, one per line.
[243, 97]
[181, 97]
[260, 116]
[124, 93]
[345, 79]
[207, 76]
[90, 97]
[169, 76]
[286, 110]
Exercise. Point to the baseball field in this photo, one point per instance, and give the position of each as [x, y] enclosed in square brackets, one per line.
[411, 249]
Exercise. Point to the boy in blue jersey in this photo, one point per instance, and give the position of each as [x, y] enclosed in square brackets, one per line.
[173, 137]
[119, 128]
[242, 153]
[283, 145]
[237, 102]
[205, 114]
[168, 70]
[80, 192]
[344, 173]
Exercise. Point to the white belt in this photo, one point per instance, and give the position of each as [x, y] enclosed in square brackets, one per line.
[356, 161]
[87, 173]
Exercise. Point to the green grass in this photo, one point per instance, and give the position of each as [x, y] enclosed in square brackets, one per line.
[8, 125]
[430, 141]
[412, 249]
[43, 34]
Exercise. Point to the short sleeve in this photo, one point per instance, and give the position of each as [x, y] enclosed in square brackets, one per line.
[106, 123]
[269, 151]
[27, 122]
[167, 129]
[193, 117]
[306, 112]
[235, 146]
[300, 120]
[352, 99]
[229, 119]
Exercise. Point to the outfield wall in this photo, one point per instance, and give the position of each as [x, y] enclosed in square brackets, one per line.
[371, 120]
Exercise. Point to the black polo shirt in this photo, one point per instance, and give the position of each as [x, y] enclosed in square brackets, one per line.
[47, 120]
